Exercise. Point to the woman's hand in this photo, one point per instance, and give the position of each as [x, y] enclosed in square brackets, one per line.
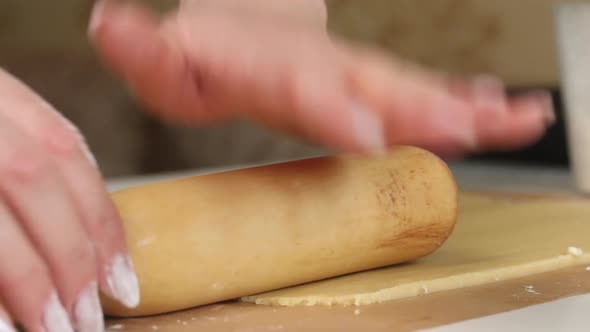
[61, 238]
[274, 62]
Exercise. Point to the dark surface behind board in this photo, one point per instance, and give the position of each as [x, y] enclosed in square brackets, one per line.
[550, 151]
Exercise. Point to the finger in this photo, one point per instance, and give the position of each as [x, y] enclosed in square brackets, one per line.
[146, 53]
[482, 113]
[415, 108]
[326, 112]
[25, 283]
[36, 192]
[504, 123]
[296, 87]
[526, 121]
[131, 44]
[486, 94]
[5, 321]
[68, 155]
[501, 123]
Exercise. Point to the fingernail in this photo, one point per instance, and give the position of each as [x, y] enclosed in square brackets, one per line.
[368, 129]
[5, 327]
[545, 100]
[122, 281]
[88, 312]
[489, 94]
[97, 16]
[56, 318]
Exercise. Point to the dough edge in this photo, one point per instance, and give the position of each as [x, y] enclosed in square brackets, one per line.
[423, 287]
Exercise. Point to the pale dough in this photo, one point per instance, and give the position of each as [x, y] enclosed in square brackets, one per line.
[495, 239]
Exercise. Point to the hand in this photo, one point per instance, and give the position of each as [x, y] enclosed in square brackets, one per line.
[61, 238]
[274, 62]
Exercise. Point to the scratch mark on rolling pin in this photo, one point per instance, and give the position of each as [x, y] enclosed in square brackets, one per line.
[531, 289]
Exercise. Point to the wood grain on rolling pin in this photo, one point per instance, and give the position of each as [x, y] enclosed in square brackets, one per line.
[221, 236]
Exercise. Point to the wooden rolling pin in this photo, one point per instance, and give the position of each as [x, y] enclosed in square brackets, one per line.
[216, 237]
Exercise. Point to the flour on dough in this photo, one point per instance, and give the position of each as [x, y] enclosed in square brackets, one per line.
[495, 239]
[575, 251]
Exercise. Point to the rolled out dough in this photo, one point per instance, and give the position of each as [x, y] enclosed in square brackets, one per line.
[495, 239]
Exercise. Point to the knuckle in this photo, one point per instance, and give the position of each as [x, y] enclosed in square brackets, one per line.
[62, 140]
[78, 254]
[23, 165]
[97, 218]
[27, 275]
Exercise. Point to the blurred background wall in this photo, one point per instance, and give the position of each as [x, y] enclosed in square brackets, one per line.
[44, 43]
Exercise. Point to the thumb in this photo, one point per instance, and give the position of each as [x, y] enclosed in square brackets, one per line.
[130, 42]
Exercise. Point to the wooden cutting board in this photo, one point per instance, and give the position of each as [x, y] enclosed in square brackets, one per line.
[420, 312]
